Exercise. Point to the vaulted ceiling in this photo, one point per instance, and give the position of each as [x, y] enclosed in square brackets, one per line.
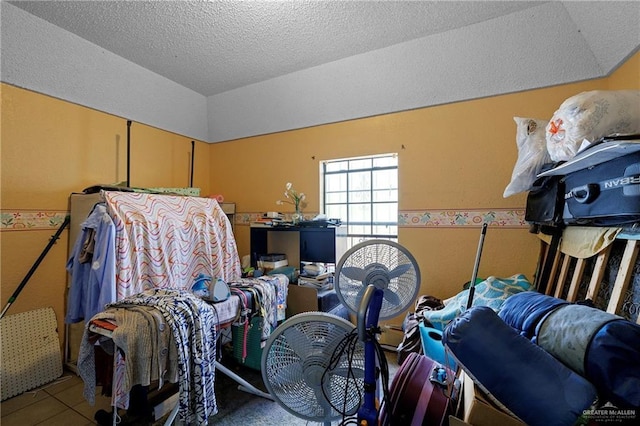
[255, 67]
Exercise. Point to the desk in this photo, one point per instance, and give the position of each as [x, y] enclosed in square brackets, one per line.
[299, 243]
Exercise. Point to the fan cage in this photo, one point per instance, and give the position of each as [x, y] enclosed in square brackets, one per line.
[379, 256]
[296, 367]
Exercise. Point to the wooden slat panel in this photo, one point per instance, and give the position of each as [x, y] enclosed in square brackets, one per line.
[542, 258]
[562, 278]
[554, 271]
[624, 276]
[598, 273]
[575, 280]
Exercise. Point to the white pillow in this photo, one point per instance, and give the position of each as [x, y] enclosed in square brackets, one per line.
[532, 154]
[589, 116]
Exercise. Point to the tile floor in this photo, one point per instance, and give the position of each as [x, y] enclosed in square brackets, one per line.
[62, 403]
[58, 403]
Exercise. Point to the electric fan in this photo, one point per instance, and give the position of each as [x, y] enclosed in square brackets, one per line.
[376, 279]
[315, 364]
[309, 372]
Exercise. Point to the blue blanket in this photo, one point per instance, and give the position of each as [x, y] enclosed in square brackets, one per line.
[491, 292]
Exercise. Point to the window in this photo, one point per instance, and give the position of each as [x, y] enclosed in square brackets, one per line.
[363, 193]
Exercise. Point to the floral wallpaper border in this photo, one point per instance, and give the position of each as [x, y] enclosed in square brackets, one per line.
[450, 218]
[29, 220]
[505, 218]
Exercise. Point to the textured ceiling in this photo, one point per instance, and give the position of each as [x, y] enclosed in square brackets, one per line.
[213, 47]
[224, 70]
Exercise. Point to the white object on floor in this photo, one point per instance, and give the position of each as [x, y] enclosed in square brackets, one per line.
[31, 354]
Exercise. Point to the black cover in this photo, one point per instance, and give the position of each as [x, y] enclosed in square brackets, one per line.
[604, 195]
[612, 363]
[545, 201]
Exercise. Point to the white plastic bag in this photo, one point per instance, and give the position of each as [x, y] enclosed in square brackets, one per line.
[532, 154]
[588, 116]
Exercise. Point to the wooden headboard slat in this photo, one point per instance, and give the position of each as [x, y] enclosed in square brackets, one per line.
[554, 271]
[598, 273]
[610, 279]
[562, 278]
[576, 277]
[624, 276]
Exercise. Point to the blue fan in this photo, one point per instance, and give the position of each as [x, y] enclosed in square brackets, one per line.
[376, 279]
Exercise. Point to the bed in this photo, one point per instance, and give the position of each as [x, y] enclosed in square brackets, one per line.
[608, 273]
[566, 351]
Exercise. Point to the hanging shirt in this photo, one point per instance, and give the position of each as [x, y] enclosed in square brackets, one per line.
[92, 266]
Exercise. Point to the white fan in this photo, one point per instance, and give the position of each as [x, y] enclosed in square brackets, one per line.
[387, 266]
[315, 364]
[310, 370]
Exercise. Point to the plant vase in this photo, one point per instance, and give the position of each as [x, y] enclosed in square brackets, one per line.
[296, 217]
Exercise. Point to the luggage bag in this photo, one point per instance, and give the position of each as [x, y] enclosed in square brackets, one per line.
[423, 392]
[606, 194]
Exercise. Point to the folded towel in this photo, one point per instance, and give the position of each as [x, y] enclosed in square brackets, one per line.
[583, 242]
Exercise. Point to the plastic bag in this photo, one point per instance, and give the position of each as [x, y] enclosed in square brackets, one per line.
[588, 116]
[532, 154]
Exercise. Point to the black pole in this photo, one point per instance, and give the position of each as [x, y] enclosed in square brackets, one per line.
[15, 294]
[128, 153]
[472, 284]
[193, 150]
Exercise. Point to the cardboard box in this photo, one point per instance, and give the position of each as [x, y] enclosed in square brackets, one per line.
[480, 411]
[454, 421]
[301, 299]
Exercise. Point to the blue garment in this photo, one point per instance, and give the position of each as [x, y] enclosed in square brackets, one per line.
[93, 283]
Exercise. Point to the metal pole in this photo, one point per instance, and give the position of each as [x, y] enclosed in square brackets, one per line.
[128, 153]
[193, 150]
[472, 284]
[15, 294]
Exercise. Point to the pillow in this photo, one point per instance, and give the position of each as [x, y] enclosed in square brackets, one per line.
[491, 292]
[589, 116]
[532, 154]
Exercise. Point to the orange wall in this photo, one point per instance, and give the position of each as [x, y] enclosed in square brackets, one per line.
[51, 148]
[451, 157]
[455, 157]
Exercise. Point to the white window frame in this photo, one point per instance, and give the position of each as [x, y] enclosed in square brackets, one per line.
[353, 236]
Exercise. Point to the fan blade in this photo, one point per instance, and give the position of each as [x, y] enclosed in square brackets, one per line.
[291, 374]
[391, 297]
[399, 270]
[354, 273]
[297, 340]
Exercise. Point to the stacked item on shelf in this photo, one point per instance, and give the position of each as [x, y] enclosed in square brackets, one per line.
[320, 282]
[270, 261]
[268, 220]
[316, 275]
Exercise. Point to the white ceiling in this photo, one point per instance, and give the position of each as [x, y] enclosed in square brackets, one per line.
[213, 47]
[236, 52]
